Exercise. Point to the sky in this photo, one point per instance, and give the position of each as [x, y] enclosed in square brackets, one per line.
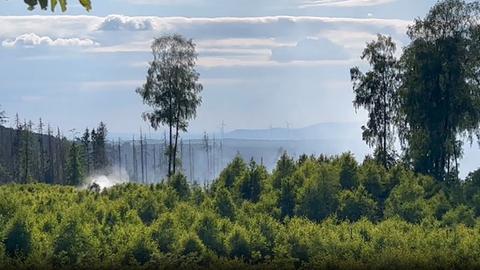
[263, 63]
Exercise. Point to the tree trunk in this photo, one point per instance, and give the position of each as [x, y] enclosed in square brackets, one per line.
[142, 158]
[27, 157]
[384, 151]
[175, 148]
[170, 153]
[145, 152]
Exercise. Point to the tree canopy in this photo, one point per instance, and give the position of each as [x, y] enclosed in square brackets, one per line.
[440, 91]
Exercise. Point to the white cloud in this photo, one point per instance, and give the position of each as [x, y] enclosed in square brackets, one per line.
[198, 28]
[221, 41]
[32, 40]
[343, 3]
[59, 26]
[120, 22]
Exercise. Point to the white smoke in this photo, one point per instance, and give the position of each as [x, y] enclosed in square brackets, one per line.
[117, 176]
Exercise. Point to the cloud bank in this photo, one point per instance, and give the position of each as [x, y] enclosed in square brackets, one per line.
[343, 3]
[33, 40]
[124, 23]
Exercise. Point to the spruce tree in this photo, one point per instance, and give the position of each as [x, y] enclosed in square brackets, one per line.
[85, 140]
[74, 171]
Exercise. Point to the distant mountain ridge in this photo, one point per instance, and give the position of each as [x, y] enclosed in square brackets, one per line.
[322, 131]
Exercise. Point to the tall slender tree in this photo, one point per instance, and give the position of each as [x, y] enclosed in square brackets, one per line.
[50, 175]
[41, 146]
[16, 150]
[86, 145]
[60, 156]
[135, 160]
[119, 152]
[172, 89]
[75, 169]
[99, 143]
[142, 157]
[26, 150]
[376, 91]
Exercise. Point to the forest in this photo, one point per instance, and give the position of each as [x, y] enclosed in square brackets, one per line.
[325, 213]
[402, 207]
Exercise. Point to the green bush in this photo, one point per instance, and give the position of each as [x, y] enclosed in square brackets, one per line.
[18, 239]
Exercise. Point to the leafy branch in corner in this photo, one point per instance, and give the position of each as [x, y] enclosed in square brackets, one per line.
[44, 4]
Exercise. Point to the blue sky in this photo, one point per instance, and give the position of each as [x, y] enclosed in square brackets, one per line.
[263, 63]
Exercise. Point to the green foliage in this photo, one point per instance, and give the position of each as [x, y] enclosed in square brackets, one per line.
[472, 190]
[287, 198]
[318, 197]
[190, 244]
[427, 98]
[439, 205]
[232, 173]
[348, 171]
[179, 183]
[32, 4]
[142, 253]
[164, 233]
[75, 170]
[224, 204]
[330, 226]
[209, 231]
[18, 239]
[460, 215]
[252, 182]
[406, 201]
[439, 76]
[285, 168]
[238, 243]
[99, 143]
[73, 246]
[357, 204]
[373, 177]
